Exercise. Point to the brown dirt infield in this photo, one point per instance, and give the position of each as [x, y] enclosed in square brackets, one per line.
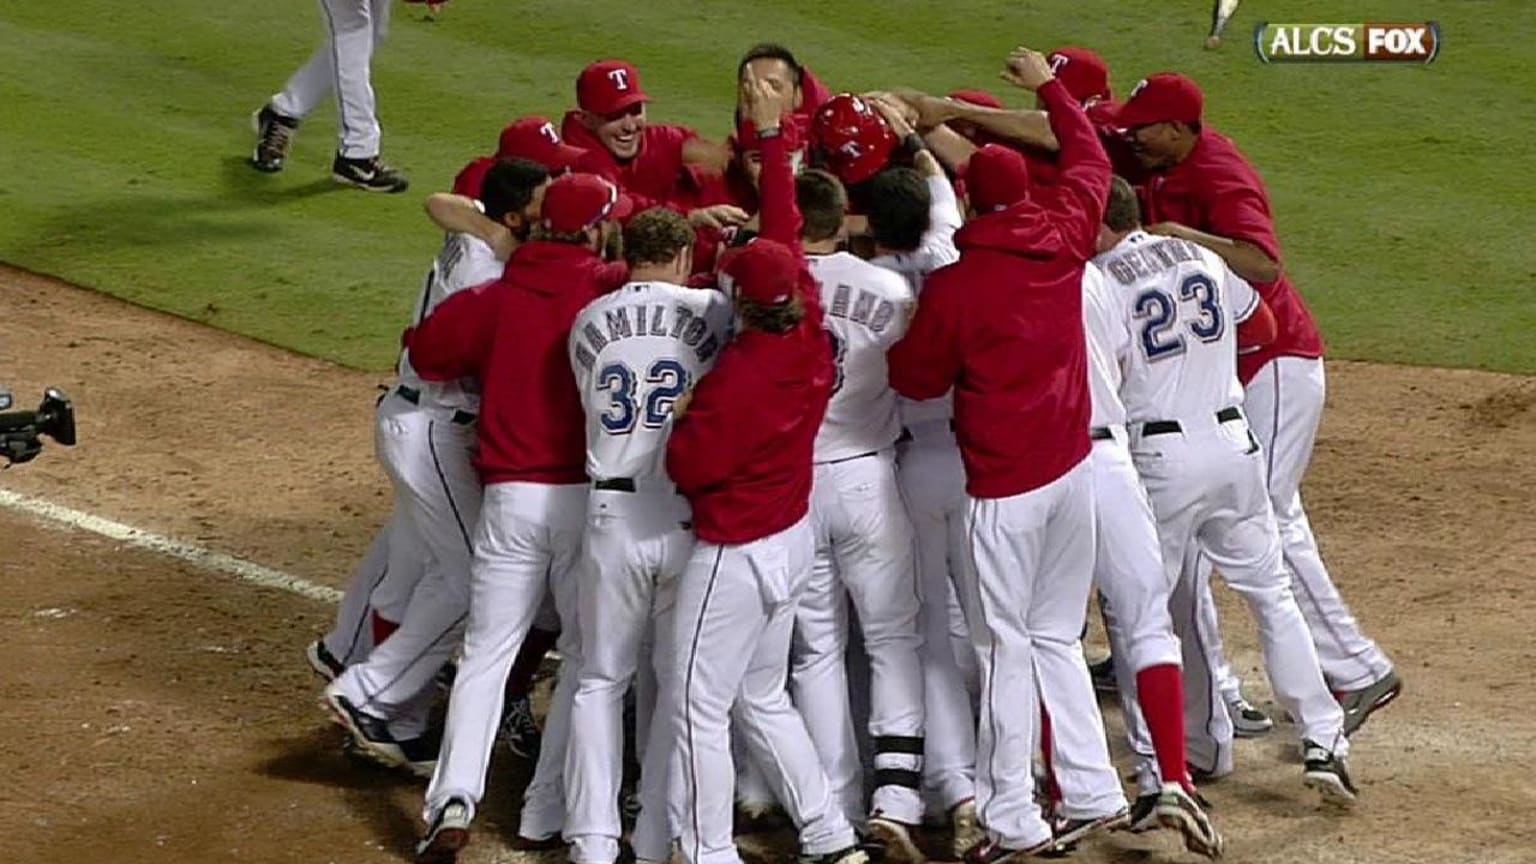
[155, 712]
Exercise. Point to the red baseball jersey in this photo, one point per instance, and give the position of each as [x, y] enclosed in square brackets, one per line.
[1217, 191]
[653, 178]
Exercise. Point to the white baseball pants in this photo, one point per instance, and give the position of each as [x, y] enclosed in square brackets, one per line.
[351, 638]
[933, 485]
[1026, 587]
[437, 489]
[1206, 485]
[526, 544]
[863, 553]
[635, 548]
[342, 66]
[735, 615]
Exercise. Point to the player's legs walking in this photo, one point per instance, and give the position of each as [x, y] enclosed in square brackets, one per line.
[350, 639]
[543, 813]
[1284, 403]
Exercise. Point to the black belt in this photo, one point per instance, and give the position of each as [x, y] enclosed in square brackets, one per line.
[615, 484]
[850, 458]
[1100, 433]
[1165, 427]
[413, 396]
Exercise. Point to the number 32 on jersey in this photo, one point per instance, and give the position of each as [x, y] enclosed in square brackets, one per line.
[633, 398]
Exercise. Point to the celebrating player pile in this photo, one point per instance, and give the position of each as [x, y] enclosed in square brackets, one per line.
[921, 365]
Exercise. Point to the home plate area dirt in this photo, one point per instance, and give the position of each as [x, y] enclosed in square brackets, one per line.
[158, 712]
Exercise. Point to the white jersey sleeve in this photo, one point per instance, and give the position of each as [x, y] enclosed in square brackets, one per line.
[463, 262]
[1108, 340]
[1241, 296]
[634, 352]
[867, 310]
[1182, 313]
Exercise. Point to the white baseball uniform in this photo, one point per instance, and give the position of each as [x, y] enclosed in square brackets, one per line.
[863, 551]
[426, 440]
[932, 482]
[342, 66]
[637, 542]
[1203, 470]
[351, 638]
[1128, 561]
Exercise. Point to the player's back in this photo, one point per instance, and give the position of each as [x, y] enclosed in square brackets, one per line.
[1182, 306]
[464, 261]
[635, 351]
[866, 312]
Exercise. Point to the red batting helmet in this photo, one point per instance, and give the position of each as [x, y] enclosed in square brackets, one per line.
[854, 139]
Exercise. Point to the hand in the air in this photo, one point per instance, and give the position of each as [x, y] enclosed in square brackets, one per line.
[761, 103]
[1027, 68]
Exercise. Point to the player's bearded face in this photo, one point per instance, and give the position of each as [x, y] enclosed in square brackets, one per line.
[621, 133]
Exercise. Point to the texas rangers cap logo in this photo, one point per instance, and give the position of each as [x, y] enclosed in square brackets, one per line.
[620, 78]
[851, 149]
[1140, 86]
[1059, 62]
[548, 131]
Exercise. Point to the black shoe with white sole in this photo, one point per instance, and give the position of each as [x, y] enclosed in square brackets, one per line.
[1102, 674]
[1184, 813]
[1144, 813]
[418, 756]
[1360, 704]
[274, 138]
[1069, 831]
[448, 833]
[370, 174]
[1327, 773]
[323, 661]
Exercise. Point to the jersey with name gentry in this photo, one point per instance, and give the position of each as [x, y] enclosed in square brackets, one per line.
[463, 262]
[1181, 306]
[1108, 340]
[634, 352]
[935, 250]
[867, 309]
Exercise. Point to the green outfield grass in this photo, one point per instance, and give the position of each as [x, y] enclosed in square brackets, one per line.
[1406, 217]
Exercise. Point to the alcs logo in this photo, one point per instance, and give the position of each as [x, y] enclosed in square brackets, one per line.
[1347, 43]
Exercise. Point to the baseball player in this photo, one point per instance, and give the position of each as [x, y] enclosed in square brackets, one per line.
[425, 440]
[863, 538]
[913, 215]
[1003, 327]
[740, 451]
[1128, 569]
[1202, 468]
[1201, 188]
[512, 335]
[634, 352]
[350, 640]
[341, 66]
[852, 138]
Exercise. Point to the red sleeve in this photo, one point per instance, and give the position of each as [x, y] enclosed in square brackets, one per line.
[1239, 210]
[716, 434]
[779, 214]
[1082, 168]
[455, 340]
[926, 362]
[1258, 329]
[600, 162]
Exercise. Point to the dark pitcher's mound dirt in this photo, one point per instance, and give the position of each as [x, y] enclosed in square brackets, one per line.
[155, 713]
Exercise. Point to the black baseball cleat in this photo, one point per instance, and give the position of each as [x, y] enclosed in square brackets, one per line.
[370, 174]
[1067, 832]
[417, 756]
[274, 138]
[1360, 704]
[990, 852]
[323, 661]
[520, 730]
[447, 834]
[1326, 772]
[1102, 674]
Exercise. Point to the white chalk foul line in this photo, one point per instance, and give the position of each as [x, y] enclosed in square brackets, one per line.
[245, 571]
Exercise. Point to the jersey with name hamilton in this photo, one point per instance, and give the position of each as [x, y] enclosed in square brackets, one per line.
[867, 310]
[1181, 306]
[464, 262]
[634, 352]
[935, 250]
[1108, 340]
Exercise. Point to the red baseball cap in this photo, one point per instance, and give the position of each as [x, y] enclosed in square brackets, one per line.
[854, 138]
[575, 202]
[982, 98]
[472, 176]
[1083, 72]
[536, 139]
[608, 87]
[765, 272]
[996, 177]
[1166, 97]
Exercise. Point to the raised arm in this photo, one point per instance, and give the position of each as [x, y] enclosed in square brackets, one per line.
[455, 340]
[778, 213]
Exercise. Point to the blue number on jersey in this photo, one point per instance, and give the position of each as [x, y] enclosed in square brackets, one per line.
[1159, 312]
[672, 379]
[839, 354]
[1199, 288]
[669, 380]
[617, 378]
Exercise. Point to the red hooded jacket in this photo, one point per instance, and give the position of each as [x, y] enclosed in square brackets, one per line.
[1003, 325]
[1215, 190]
[511, 334]
[741, 453]
[654, 178]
